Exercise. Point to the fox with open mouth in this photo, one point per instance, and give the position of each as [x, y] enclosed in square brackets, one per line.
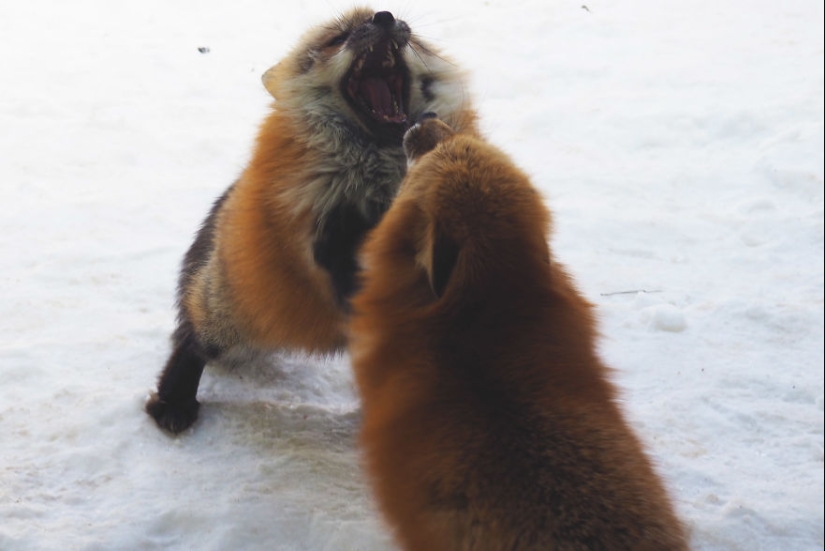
[274, 263]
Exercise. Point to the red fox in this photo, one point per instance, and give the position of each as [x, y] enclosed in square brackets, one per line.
[489, 422]
[273, 266]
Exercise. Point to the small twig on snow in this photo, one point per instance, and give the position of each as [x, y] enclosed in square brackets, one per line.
[630, 292]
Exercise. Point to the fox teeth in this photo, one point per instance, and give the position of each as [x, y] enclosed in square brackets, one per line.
[394, 44]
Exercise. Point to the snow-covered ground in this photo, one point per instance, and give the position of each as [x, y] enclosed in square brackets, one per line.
[680, 145]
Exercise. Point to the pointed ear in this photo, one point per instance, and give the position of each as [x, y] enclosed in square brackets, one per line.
[444, 257]
[269, 78]
[427, 133]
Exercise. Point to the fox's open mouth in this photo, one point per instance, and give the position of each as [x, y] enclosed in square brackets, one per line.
[377, 85]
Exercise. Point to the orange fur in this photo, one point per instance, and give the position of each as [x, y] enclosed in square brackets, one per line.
[489, 420]
[281, 297]
[273, 265]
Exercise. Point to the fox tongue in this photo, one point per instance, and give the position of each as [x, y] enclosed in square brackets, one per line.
[377, 94]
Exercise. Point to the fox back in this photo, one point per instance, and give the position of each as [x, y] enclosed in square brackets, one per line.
[490, 422]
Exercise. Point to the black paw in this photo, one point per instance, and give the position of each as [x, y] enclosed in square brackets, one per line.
[172, 417]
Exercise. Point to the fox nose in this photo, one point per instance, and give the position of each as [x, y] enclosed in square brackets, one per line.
[383, 19]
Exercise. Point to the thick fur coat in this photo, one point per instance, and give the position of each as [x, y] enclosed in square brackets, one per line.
[274, 265]
[489, 422]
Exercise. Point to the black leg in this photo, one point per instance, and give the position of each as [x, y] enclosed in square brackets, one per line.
[174, 406]
[336, 248]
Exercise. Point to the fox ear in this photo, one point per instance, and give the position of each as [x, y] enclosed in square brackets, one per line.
[444, 257]
[423, 136]
[269, 79]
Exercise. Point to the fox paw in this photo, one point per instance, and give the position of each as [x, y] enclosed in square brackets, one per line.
[170, 416]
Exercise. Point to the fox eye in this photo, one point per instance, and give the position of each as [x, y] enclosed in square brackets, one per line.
[338, 40]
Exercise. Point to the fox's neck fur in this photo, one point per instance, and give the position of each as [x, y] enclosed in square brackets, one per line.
[342, 164]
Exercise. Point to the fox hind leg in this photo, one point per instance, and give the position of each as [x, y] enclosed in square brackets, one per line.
[174, 406]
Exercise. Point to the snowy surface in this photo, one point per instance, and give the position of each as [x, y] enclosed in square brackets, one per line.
[680, 146]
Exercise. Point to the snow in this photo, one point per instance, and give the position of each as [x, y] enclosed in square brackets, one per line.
[680, 147]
